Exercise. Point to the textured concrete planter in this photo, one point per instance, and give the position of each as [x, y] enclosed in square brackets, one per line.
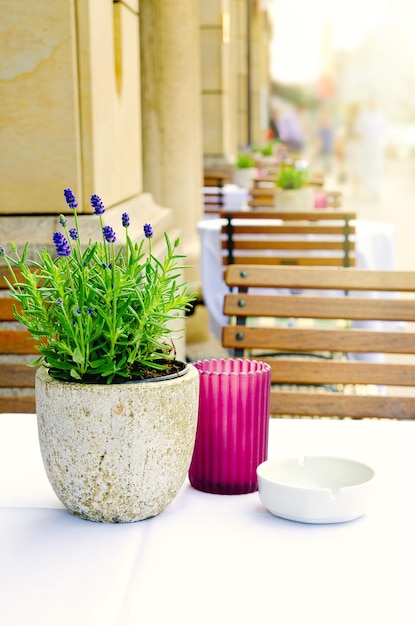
[244, 176]
[294, 199]
[117, 453]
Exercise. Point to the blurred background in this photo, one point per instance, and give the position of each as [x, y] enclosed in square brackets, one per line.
[351, 65]
[139, 100]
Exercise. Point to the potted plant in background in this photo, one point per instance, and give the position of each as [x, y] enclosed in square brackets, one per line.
[265, 156]
[116, 411]
[245, 169]
[293, 192]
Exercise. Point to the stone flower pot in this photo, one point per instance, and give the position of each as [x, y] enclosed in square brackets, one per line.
[244, 176]
[121, 452]
[294, 199]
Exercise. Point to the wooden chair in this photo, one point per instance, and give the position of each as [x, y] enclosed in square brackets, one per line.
[213, 196]
[214, 180]
[17, 378]
[310, 238]
[312, 372]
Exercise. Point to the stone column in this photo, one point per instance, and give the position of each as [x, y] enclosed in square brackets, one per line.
[220, 46]
[171, 112]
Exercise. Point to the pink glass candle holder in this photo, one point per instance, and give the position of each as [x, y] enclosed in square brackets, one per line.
[233, 423]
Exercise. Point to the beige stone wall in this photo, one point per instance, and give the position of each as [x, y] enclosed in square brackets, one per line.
[171, 115]
[242, 72]
[235, 77]
[109, 74]
[58, 132]
[218, 22]
[253, 26]
[211, 66]
[260, 76]
[39, 135]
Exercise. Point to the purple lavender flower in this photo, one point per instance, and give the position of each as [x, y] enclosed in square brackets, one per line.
[109, 234]
[59, 301]
[61, 244]
[62, 220]
[97, 204]
[73, 233]
[125, 220]
[70, 198]
[89, 311]
[148, 231]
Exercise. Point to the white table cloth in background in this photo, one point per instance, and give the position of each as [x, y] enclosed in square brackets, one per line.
[210, 559]
[375, 249]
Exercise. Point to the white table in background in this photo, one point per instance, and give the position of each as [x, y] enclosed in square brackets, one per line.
[210, 559]
[375, 249]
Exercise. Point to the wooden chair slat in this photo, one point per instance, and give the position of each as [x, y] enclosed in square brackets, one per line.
[357, 406]
[286, 245]
[16, 342]
[323, 308]
[5, 273]
[318, 278]
[316, 180]
[294, 229]
[325, 371]
[17, 404]
[311, 340]
[293, 216]
[287, 260]
[265, 201]
[6, 309]
[17, 375]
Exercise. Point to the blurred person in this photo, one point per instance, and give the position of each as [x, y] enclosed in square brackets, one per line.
[273, 123]
[371, 127]
[291, 129]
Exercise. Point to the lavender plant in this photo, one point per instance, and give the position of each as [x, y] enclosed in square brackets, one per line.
[98, 313]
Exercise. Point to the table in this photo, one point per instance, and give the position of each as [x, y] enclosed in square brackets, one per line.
[375, 249]
[210, 559]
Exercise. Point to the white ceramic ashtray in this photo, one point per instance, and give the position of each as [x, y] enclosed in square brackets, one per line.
[315, 489]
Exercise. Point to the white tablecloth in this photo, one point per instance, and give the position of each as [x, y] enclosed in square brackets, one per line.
[375, 249]
[210, 559]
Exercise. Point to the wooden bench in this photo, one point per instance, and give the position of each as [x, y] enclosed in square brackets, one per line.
[310, 238]
[312, 372]
[17, 378]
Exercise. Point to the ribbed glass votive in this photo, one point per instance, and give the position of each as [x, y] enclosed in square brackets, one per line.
[233, 421]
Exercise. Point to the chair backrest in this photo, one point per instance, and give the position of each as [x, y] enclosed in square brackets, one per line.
[302, 322]
[214, 180]
[213, 195]
[17, 349]
[262, 192]
[285, 238]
